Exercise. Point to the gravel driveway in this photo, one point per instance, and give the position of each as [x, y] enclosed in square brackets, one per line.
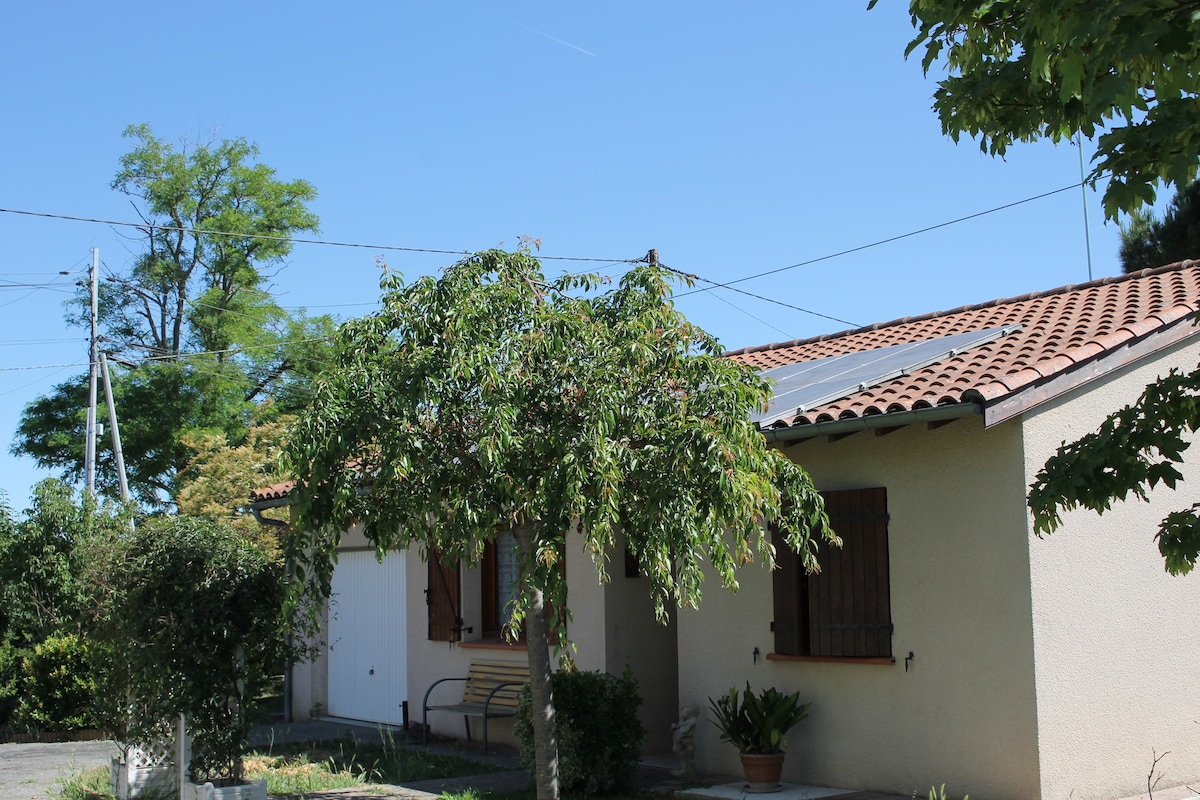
[30, 771]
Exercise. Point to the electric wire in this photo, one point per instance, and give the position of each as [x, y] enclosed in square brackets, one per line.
[714, 285]
[755, 318]
[293, 239]
[32, 383]
[889, 240]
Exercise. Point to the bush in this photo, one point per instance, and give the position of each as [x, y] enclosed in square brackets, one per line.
[59, 689]
[10, 681]
[200, 624]
[599, 734]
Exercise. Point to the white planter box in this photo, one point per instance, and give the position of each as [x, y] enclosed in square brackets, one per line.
[127, 782]
[144, 772]
[206, 791]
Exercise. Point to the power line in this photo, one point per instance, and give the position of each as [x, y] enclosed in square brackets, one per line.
[889, 240]
[716, 285]
[755, 318]
[296, 240]
[15, 285]
[44, 366]
[33, 382]
[23, 342]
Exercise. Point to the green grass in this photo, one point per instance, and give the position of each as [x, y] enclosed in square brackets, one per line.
[90, 784]
[296, 769]
[299, 774]
[380, 763]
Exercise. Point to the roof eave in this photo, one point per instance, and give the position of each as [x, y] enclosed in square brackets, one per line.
[1011, 405]
[271, 502]
[837, 427]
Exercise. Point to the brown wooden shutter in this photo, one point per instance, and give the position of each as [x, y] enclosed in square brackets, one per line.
[785, 581]
[442, 599]
[848, 604]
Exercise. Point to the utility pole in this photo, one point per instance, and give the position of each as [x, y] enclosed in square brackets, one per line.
[652, 257]
[116, 433]
[94, 357]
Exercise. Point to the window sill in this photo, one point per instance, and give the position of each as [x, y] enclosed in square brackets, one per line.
[879, 660]
[491, 644]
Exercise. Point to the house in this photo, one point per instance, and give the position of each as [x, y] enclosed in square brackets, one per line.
[393, 628]
[945, 643]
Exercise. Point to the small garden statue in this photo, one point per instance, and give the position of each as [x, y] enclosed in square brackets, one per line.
[682, 745]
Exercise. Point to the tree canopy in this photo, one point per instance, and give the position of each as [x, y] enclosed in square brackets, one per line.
[1148, 241]
[218, 478]
[1022, 70]
[196, 340]
[492, 399]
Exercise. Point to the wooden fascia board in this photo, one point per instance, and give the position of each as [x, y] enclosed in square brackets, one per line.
[1048, 389]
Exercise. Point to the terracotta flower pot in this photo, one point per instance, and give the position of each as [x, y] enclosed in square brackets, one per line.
[762, 771]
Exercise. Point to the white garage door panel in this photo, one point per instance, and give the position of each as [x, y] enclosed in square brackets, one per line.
[367, 654]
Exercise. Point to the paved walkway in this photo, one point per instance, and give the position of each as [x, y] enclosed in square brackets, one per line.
[30, 771]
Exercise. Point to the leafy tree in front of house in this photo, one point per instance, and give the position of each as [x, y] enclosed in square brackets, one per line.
[196, 341]
[1023, 70]
[492, 399]
[1148, 241]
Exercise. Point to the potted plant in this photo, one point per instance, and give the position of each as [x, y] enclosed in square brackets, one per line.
[757, 725]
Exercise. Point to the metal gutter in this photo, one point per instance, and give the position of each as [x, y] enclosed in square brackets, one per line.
[945, 413]
[259, 506]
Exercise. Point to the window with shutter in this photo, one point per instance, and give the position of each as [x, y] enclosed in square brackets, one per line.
[500, 580]
[845, 609]
[500, 577]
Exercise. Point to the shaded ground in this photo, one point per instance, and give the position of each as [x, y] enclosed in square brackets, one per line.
[29, 771]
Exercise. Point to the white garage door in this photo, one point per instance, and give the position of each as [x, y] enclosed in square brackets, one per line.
[367, 655]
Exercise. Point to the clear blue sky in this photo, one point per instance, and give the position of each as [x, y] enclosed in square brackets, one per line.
[734, 138]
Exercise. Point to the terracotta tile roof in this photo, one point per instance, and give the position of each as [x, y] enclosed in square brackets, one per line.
[277, 491]
[1060, 330]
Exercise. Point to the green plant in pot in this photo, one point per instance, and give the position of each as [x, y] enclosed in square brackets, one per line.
[757, 725]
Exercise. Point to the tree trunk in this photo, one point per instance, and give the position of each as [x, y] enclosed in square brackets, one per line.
[545, 737]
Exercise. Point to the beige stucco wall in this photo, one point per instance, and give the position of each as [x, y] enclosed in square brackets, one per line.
[634, 638]
[1115, 637]
[963, 714]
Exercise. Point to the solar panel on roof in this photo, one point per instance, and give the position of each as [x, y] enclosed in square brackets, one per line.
[799, 387]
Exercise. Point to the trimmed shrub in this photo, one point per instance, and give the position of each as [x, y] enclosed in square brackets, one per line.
[599, 734]
[59, 688]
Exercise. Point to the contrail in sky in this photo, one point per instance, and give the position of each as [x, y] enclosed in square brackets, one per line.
[556, 39]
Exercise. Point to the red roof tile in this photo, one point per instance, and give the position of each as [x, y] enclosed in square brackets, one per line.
[1060, 329]
[277, 491]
